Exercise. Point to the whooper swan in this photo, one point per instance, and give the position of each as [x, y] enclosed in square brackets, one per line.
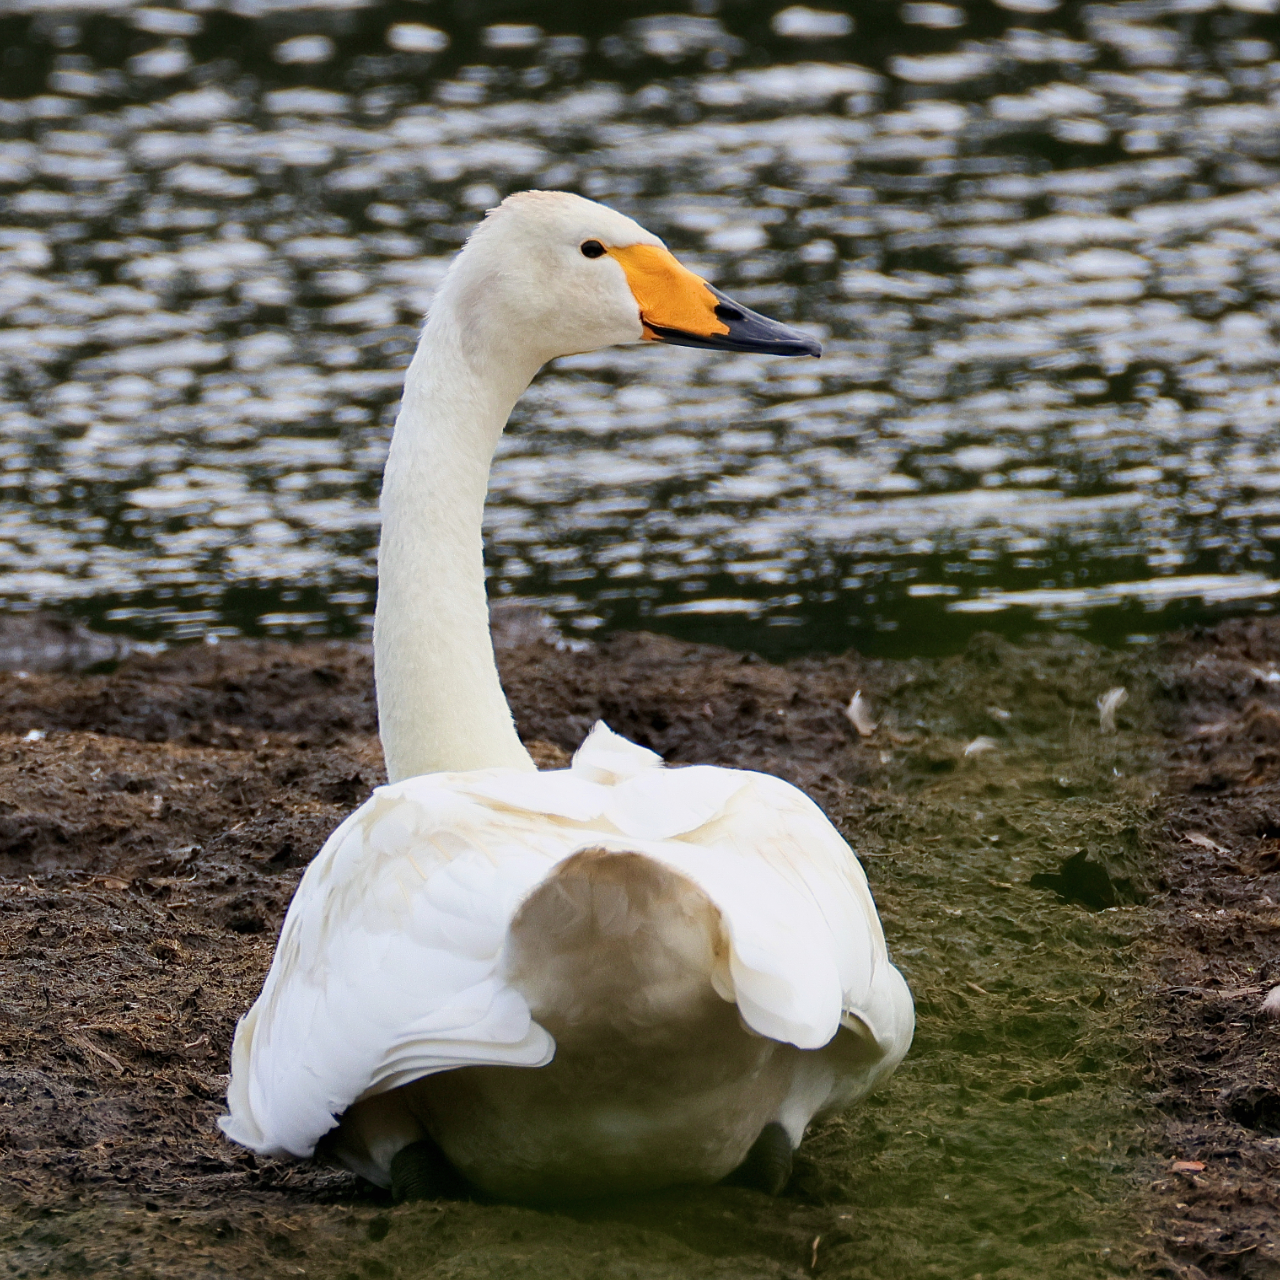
[599, 979]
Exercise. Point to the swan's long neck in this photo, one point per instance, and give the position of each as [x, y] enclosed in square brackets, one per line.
[440, 703]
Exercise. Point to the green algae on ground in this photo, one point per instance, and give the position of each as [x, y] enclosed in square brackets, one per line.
[1005, 1146]
[1006, 1143]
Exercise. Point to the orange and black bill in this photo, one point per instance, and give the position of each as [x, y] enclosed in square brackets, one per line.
[681, 308]
[745, 330]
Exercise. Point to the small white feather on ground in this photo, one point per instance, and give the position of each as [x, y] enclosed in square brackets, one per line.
[1108, 704]
[859, 713]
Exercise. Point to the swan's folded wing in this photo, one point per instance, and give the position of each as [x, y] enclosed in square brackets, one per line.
[787, 829]
[807, 950]
[386, 969]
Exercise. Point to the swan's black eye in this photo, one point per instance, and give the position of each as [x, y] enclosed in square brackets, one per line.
[592, 249]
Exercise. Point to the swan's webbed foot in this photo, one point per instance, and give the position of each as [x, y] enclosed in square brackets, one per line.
[421, 1171]
[767, 1167]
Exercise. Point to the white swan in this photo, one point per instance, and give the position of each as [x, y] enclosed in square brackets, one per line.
[604, 978]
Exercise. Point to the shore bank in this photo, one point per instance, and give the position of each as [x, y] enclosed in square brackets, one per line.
[1088, 920]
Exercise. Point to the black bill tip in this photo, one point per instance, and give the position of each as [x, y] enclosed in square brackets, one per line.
[748, 331]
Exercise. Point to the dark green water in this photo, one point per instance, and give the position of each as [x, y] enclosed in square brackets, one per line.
[1041, 247]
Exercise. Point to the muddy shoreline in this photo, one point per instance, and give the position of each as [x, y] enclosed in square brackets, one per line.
[1087, 919]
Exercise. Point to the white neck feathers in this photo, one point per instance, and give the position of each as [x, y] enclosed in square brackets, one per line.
[440, 702]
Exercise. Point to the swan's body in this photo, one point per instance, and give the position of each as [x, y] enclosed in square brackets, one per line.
[603, 978]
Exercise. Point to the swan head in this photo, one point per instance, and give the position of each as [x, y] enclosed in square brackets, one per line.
[552, 274]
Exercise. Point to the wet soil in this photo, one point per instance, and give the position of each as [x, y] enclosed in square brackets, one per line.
[1086, 918]
[1214, 1065]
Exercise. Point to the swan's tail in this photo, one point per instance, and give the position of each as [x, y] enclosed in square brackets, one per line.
[618, 940]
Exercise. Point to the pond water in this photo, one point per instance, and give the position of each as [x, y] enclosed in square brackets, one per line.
[1041, 243]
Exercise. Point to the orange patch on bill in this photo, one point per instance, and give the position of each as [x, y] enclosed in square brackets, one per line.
[670, 296]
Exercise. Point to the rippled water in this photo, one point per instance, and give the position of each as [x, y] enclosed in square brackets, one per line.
[1042, 245]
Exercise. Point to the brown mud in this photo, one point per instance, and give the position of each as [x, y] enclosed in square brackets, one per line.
[1215, 950]
[1087, 977]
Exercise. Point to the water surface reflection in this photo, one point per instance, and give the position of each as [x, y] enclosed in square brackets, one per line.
[1042, 245]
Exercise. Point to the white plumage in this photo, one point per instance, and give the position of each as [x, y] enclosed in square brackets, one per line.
[396, 957]
[603, 978]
